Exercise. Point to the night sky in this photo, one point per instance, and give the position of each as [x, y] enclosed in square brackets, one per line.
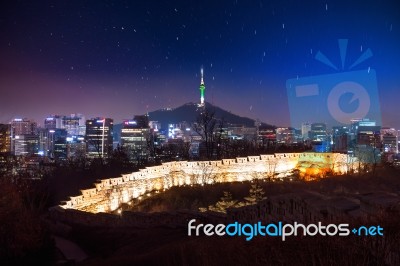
[118, 59]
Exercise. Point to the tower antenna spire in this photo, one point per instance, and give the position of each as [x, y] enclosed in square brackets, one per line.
[202, 87]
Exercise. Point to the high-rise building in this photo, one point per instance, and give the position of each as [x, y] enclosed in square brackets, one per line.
[340, 138]
[366, 140]
[53, 122]
[23, 126]
[266, 136]
[52, 143]
[24, 145]
[318, 132]
[5, 138]
[365, 122]
[24, 138]
[155, 125]
[135, 137]
[60, 144]
[45, 141]
[285, 135]
[320, 141]
[74, 124]
[76, 146]
[99, 137]
[305, 130]
[367, 133]
[389, 140]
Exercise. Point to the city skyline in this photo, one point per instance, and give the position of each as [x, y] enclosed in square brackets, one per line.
[120, 60]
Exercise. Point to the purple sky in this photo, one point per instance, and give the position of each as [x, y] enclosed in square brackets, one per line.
[124, 59]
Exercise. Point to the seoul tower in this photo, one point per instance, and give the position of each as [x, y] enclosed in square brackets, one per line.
[202, 88]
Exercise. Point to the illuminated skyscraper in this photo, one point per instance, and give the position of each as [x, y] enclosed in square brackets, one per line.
[202, 88]
[53, 122]
[74, 124]
[23, 127]
[389, 140]
[99, 137]
[318, 132]
[135, 135]
[5, 138]
[60, 144]
[285, 135]
[24, 138]
[319, 137]
[24, 145]
[305, 130]
[76, 146]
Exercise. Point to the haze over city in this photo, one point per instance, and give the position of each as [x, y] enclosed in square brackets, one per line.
[121, 59]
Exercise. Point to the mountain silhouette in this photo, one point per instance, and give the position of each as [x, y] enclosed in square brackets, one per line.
[189, 113]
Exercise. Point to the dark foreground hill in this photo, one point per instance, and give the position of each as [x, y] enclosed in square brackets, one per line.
[172, 246]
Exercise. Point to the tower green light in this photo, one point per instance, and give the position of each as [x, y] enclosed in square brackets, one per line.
[202, 88]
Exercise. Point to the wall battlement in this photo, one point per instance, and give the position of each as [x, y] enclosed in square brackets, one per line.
[108, 194]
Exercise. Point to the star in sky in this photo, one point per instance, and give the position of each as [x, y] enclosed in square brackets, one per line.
[111, 58]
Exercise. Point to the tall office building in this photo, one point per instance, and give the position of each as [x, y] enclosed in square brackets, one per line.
[318, 132]
[390, 140]
[285, 135]
[305, 130]
[74, 124]
[23, 126]
[266, 136]
[24, 145]
[5, 138]
[367, 133]
[320, 141]
[367, 139]
[24, 138]
[52, 143]
[76, 146]
[53, 122]
[45, 141]
[60, 144]
[135, 135]
[99, 137]
[340, 138]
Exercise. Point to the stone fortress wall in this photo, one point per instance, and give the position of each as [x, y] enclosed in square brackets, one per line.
[109, 194]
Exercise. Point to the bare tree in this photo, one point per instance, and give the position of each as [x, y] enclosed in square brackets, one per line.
[94, 147]
[271, 169]
[368, 158]
[219, 136]
[342, 163]
[205, 174]
[205, 127]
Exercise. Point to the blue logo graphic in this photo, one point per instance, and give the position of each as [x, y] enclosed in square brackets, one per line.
[336, 98]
